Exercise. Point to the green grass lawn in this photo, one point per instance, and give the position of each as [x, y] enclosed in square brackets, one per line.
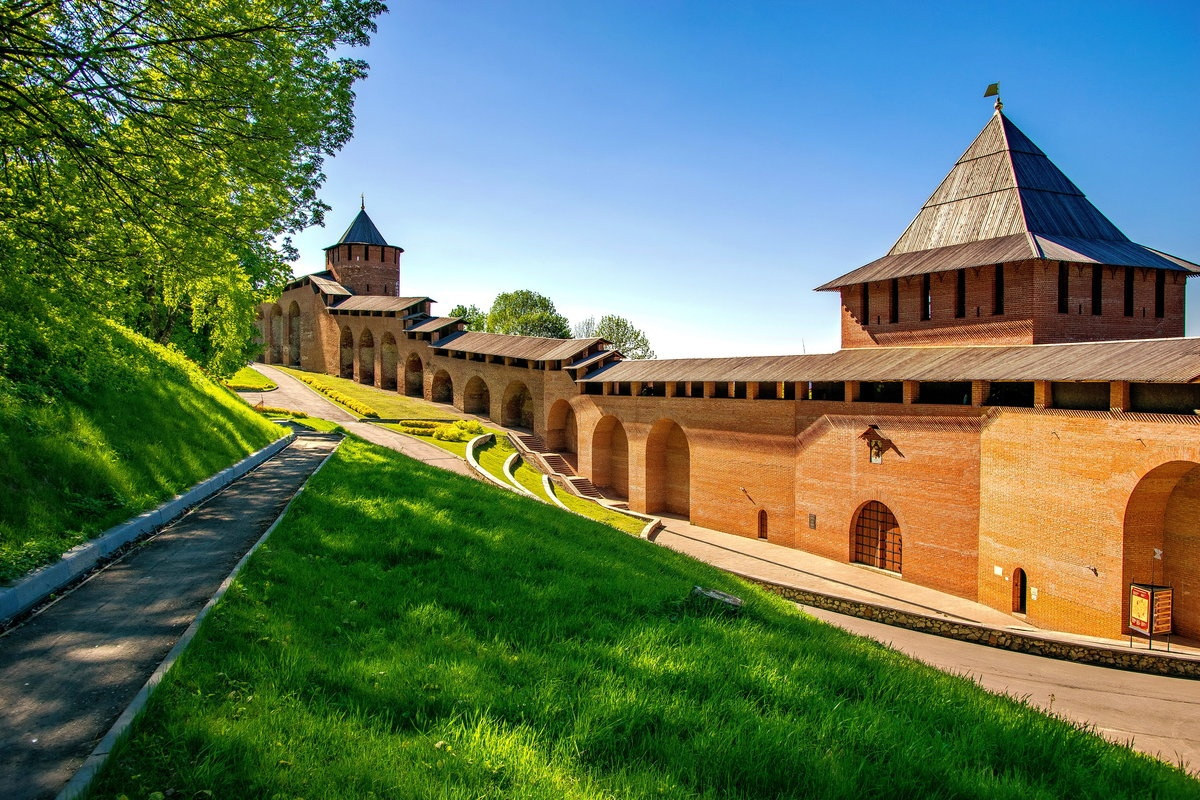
[408, 633]
[250, 380]
[390, 405]
[98, 424]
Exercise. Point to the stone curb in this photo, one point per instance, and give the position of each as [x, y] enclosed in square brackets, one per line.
[473, 463]
[510, 473]
[87, 771]
[44, 581]
[1175, 666]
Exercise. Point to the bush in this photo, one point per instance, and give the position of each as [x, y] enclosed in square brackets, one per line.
[358, 407]
[459, 431]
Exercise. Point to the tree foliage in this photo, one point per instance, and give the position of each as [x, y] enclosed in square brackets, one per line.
[475, 318]
[527, 313]
[631, 341]
[152, 153]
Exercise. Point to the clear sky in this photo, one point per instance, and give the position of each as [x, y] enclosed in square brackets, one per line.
[699, 167]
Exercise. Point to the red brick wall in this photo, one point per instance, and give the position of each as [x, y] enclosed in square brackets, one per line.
[1055, 488]
[972, 489]
[931, 485]
[365, 269]
[1030, 315]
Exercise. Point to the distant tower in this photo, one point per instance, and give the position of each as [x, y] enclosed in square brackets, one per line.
[363, 261]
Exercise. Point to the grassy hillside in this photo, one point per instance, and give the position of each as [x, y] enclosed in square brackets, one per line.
[98, 424]
[407, 633]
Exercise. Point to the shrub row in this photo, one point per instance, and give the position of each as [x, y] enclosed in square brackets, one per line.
[276, 411]
[458, 431]
[357, 406]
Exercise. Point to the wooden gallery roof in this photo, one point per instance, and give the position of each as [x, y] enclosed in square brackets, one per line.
[532, 348]
[1005, 201]
[1136, 361]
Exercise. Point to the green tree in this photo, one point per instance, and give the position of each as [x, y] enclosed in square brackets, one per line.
[476, 320]
[585, 329]
[527, 313]
[625, 337]
[154, 153]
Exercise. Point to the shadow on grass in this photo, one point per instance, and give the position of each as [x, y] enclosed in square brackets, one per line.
[410, 632]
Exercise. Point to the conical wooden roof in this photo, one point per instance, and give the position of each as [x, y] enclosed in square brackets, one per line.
[1004, 200]
[361, 231]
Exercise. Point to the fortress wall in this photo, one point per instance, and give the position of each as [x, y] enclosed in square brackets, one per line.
[930, 482]
[732, 445]
[1055, 489]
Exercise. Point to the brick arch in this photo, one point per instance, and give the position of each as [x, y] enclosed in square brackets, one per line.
[668, 469]
[562, 430]
[516, 411]
[875, 537]
[414, 376]
[293, 334]
[276, 334]
[443, 387]
[477, 398]
[610, 456]
[1161, 514]
[366, 357]
[388, 357]
[346, 353]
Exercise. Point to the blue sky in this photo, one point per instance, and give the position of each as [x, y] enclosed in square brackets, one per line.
[698, 167]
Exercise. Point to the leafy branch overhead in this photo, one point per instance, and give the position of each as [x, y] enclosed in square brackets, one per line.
[153, 152]
[631, 341]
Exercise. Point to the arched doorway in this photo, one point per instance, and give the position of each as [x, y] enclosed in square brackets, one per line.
[476, 398]
[875, 537]
[668, 469]
[276, 334]
[346, 354]
[1161, 516]
[762, 524]
[1020, 591]
[366, 358]
[610, 456]
[293, 334]
[443, 387]
[387, 362]
[414, 376]
[517, 409]
[562, 432]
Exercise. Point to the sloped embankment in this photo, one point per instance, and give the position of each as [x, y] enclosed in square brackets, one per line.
[97, 424]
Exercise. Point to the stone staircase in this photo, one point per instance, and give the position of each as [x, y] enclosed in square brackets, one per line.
[556, 465]
[585, 488]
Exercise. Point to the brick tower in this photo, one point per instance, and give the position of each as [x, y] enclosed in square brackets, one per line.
[1009, 251]
[363, 261]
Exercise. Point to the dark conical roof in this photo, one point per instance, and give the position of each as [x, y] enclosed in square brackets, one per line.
[1004, 200]
[361, 231]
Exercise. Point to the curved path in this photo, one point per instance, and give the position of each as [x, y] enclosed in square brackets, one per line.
[1154, 714]
[297, 396]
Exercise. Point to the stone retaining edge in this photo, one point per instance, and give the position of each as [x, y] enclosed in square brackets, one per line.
[510, 473]
[87, 771]
[1176, 666]
[44, 581]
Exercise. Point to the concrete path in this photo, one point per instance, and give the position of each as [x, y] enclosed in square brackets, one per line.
[69, 672]
[1157, 714]
[297, 396]
[1153, 714]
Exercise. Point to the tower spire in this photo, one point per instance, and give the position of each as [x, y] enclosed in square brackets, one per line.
[362, 202]
[993, 90]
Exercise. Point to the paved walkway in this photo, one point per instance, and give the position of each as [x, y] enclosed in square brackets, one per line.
[1157, 714]
[297, 396]
[69, 672]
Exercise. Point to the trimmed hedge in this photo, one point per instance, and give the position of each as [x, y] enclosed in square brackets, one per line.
[360, 408]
